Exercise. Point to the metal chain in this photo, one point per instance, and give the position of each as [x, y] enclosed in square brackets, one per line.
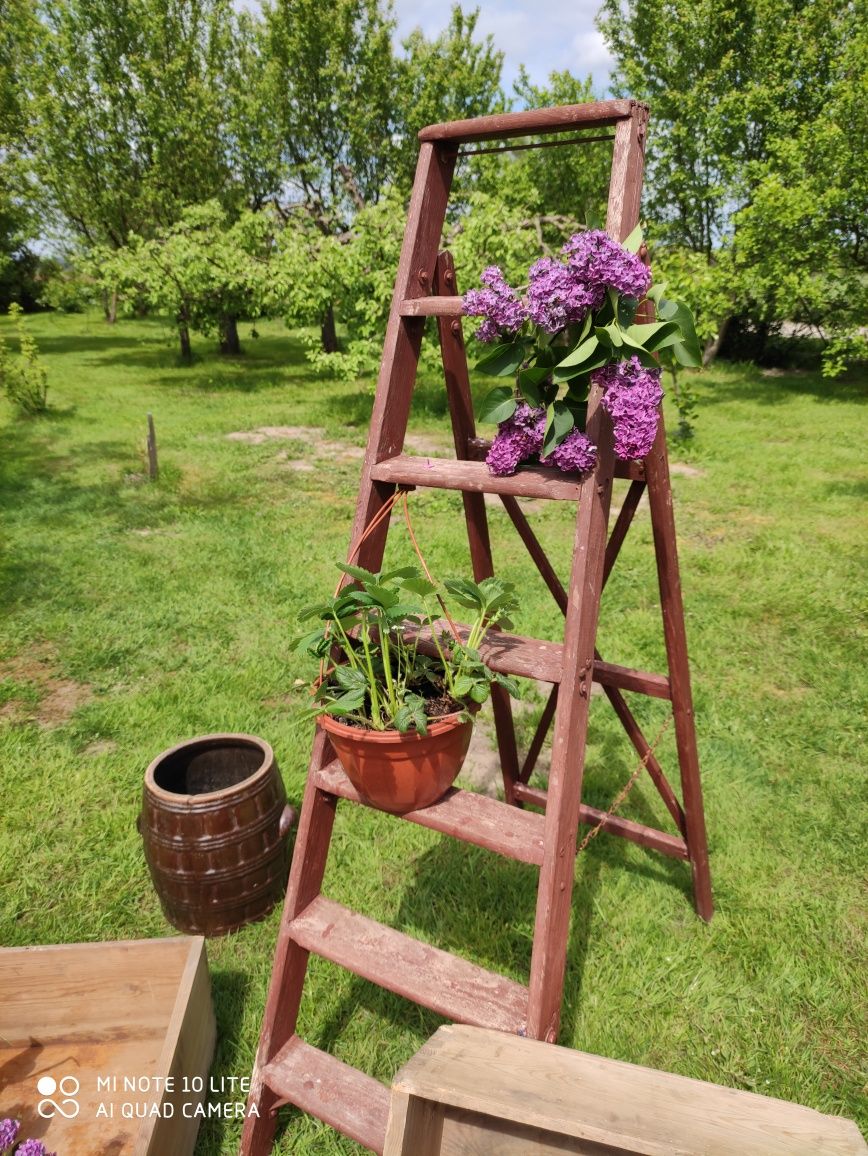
[627, 788]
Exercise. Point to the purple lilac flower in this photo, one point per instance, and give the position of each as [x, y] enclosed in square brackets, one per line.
[632, 399]
[499, 304]
[33, 1148]
[517, 438]
[8, 1133]
[575, 452]
[598, 261]
[556, 296]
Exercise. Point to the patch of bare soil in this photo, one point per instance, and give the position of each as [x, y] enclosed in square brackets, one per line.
[59, 697]
[428, 446]
[317, 447]
[682, 470]
[100, 747]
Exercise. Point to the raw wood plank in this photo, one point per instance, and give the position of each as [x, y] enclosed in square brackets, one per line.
[90, 991]
[331, 1090]
[634, 1109]
[447, 984]
[188, 1048]
[474, 1134]
[465, 815]
[533, 123]
[415, 1126]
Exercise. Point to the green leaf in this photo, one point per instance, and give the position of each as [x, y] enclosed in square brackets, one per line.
[508, 684]
[560, 422]
[651, 335]
[529, 382]
[348, 703]
[349, 679]
[578, 356]
[420, 586]
[498, 405]
[503, 360]
[687, 352]
[463, 686]
[633, 243]
[358, 572]
[666, 309]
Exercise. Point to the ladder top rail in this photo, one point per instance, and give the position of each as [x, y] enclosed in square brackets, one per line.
[503, 126]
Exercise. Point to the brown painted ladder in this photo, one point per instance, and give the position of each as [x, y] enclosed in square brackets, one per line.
[288, 1070]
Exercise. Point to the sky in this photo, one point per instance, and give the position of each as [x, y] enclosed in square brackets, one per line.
[545, 35]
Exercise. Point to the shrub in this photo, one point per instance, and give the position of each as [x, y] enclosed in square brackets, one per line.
[22, 378]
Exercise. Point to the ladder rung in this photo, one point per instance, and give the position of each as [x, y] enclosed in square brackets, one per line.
[672, 845]
[465, 815]
[445, 983]
[432, 307]
[331, 1090]
[443, 474]
[542, 660]
[503, 125]
[505, 653]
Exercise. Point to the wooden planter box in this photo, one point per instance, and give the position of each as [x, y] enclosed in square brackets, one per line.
[131, 1022]
[469, 1090]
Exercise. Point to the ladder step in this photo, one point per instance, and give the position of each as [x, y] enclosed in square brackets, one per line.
[442, 474]
[465, 815]
[542, 660]
[331, 1090]
[445, 983]
[506, 653]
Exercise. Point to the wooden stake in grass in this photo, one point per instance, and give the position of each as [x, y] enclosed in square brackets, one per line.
[152, 449]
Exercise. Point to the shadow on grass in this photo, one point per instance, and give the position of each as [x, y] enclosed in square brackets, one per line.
[743, 381]
[229, 990]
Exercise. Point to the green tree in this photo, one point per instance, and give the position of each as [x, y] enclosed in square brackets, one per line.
[205, 271]
[453, 76]
[19, 39]
[131, 118]
[747, 97]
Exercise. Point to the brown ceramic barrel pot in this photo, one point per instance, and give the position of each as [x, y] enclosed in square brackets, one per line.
[215, 823]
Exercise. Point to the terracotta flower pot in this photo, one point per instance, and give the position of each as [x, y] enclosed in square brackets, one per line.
[401, 772]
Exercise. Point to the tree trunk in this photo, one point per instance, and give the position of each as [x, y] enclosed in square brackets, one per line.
[184, 338]
[110, 306]
[328, 331]
[713, 348]
[229, 342]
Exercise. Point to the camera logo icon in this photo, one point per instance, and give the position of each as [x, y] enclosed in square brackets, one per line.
[67, 1088]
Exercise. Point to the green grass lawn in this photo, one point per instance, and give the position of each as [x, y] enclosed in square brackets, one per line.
[137, 614]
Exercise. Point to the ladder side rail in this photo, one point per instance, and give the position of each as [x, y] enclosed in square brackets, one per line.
[675, 637]
[554, 898]
[397, 376]
[454, 357]
[503, 126]
[290, 960]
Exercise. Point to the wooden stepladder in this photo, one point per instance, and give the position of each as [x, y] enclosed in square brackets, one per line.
[288, 1070]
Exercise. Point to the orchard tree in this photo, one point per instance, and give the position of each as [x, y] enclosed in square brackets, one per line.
[19, 39]
[747, 97]
[454, 76]
[131, 113]
[204, 271]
